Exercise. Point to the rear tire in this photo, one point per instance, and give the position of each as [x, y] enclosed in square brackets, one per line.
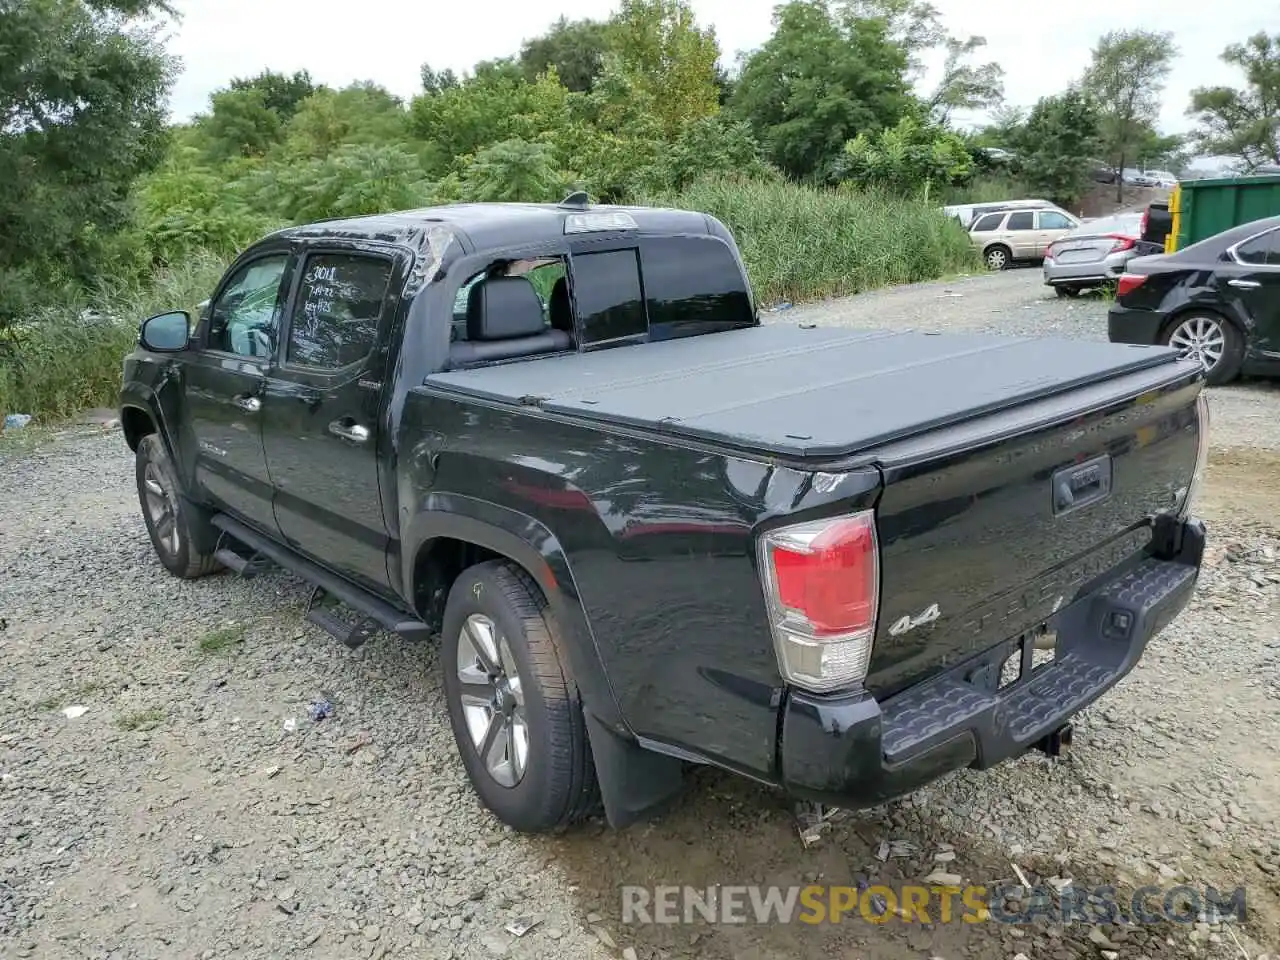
[169, 518]
[513, 704]
[1065, 292]
[1213, 340]
[997, 257]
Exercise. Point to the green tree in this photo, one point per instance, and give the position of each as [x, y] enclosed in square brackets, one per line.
[965, 85]
[671, 58]
[281, 93]
[514, 171]
[710, 147]
[1243, 123]
[434, 81]
[576, 49]
[1125, 79]
[818, 82]
[1056, 144]
[907, 159]
[82, 115]
[360, 113]
[239, 124]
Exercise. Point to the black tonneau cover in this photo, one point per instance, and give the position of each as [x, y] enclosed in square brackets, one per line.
[796, 392]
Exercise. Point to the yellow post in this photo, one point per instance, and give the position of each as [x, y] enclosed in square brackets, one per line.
[1175, 209]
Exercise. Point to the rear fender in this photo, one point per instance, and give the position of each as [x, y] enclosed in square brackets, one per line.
[633, 780]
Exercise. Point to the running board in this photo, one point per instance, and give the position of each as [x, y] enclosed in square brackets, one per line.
[245, 567]
[374, 608]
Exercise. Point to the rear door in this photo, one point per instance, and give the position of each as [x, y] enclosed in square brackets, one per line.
[1050, 226]
[321, 408]
[225, 380]
[1252, 285]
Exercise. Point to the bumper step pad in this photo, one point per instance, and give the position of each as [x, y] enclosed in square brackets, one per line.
[1099, 639]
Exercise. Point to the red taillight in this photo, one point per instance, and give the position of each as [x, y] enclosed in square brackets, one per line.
[1048, 251]
[1129, 282]
[1121, 242]
[822, 581]
[832, 581]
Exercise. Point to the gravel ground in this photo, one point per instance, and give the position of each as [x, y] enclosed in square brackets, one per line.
[194, 809]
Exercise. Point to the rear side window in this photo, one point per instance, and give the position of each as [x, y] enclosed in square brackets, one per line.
[606, 291]
[1263, 250]
[990, 222]
[1022, 221]
[335, 316]
[693, 285]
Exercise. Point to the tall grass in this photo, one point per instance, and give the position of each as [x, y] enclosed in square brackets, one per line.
[69, 357]
[806, 243]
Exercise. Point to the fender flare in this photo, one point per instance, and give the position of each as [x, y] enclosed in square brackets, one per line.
[528, 542]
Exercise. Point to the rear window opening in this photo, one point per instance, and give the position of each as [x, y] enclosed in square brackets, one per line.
[651, 289]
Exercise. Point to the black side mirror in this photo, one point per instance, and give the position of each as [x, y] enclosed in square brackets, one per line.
[166, 332]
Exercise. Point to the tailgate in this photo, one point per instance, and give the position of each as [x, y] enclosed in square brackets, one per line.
[983, 543]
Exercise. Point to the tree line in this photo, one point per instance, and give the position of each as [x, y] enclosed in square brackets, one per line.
[640, 106]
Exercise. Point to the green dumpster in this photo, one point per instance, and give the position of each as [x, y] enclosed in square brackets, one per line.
[1202, 208]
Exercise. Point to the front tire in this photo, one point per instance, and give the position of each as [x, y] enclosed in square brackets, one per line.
[998, 258]
[513, 703]
[1212, 340]
[170, 519]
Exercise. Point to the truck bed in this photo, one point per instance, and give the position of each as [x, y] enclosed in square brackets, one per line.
[803, 392]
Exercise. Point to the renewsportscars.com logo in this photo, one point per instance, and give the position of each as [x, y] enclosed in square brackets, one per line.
[818, 904]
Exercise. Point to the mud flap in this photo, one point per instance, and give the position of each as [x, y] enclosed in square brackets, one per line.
[634, 782]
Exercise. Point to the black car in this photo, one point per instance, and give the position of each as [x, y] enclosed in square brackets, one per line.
[1217, 301]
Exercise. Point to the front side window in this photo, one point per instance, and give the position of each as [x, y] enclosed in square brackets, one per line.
[1050, 220]
[245, 318]
[606, 291]
[1022, 221]
[335, 317]
[988, 223]
[1262, 250]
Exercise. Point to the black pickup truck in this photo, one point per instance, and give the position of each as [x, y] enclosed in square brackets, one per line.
[651, 531]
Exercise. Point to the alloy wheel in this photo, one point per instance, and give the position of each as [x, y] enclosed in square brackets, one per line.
[161, 509]
[493, 704]
[1200, 338]
[996, 259]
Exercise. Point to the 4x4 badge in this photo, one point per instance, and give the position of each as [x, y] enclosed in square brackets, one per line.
[930, 614]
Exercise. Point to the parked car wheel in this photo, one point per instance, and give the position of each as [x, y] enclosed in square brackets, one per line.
[168, 517]
[1063, 291]
[1212, 340]
[513, 704]
[997, 257]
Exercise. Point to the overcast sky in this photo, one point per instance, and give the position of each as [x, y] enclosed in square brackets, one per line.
[1042, 44]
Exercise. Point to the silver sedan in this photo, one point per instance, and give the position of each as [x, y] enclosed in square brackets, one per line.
[1095, 253]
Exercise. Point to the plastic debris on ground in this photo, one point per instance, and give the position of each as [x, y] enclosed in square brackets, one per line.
[73, 713]
[16, 421]
[320, 709]
[813, 819]
[521, 925]
[778, 308]
[290, 725]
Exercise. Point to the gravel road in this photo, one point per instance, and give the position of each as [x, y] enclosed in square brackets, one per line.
[193, 809]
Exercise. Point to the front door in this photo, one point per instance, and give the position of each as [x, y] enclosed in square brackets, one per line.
[224, 386]
[1021, 232]
[321, 411]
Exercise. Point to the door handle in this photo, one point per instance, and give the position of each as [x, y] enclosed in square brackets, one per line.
[1244, 284]
[248, 403]
[349, 430]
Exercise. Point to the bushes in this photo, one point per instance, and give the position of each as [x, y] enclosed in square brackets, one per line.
[806, 243]
[69, 358]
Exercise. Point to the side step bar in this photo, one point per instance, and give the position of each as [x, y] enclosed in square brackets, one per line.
[376, 609]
